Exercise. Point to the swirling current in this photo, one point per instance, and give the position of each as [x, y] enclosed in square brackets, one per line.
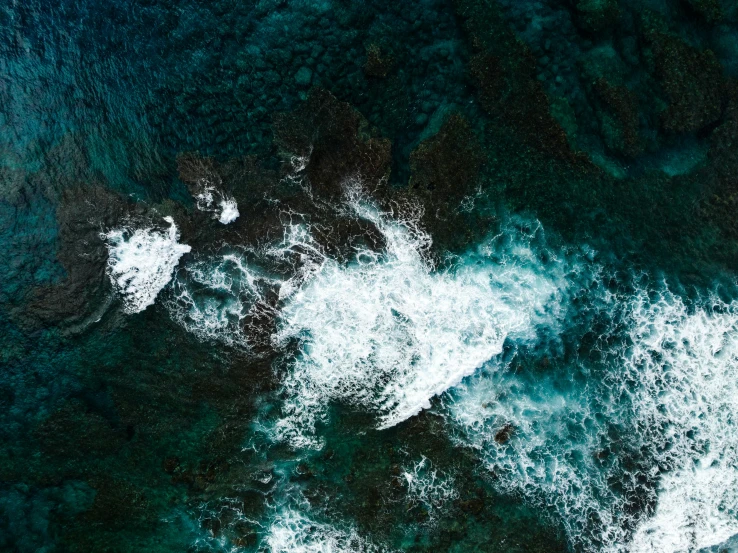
[331, 276]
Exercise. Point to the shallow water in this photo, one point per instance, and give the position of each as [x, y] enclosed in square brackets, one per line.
[297, 276]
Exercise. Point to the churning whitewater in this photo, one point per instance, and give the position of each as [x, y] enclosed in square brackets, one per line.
[613, 410]
[141, 262]
[387, 333]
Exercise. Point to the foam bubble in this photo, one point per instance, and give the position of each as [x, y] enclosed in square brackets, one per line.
[387, 333]
[141, 262]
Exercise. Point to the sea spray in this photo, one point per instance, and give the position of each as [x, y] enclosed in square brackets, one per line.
[623, 439]
[293, 532]
[210, 199]
[219, 296]
[141, 262]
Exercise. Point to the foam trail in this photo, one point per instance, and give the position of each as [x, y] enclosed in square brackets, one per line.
[428, 486]
[387, 333]
[141, 263]
[213, 298]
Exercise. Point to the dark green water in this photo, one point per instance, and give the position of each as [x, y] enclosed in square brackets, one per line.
[330, 276]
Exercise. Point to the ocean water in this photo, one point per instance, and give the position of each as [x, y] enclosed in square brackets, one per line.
[296, 276]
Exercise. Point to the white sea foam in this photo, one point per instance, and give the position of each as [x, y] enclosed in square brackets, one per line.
[212, 199]
[387, 333]
[595, 443]
[293, 532]
[664, 410]
[228, 211]
[696, 509]
[141, 262]
[687, 361]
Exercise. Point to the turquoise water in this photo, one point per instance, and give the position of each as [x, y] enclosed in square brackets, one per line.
[298, 276]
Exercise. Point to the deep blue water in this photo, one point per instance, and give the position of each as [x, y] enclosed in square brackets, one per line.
[330, 276]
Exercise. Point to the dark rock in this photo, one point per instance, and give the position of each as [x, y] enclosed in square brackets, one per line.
[378, 63]
[692, 80]
[710, 10]
[336, 143]
[82, 212]
[171, 464]
[504, 434]
[446, 164]
[473, 506]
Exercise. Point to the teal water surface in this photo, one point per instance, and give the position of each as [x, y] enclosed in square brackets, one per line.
[339, 276]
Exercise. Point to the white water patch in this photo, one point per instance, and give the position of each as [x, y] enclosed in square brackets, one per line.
[292, 532]
[687, 361]
[228, 211]
[551, 454]
[211, 199]
[299, 249]
[585, 443]
[141, 262]
[386, 333]
[214, 298]
[696, 509]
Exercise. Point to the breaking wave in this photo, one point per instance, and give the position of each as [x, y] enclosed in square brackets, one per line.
[387, 333]
[612, 411]
[141, 262]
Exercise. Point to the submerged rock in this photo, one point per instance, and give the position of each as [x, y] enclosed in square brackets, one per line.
[594, 16]
[303, 76]
[378, 63]
[82, 212]
[691, 78]
[503, 435]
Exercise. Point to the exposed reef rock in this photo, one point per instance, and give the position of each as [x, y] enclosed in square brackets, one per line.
[444, 177]
[333, 143]
[83, 213]
[504, 69]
